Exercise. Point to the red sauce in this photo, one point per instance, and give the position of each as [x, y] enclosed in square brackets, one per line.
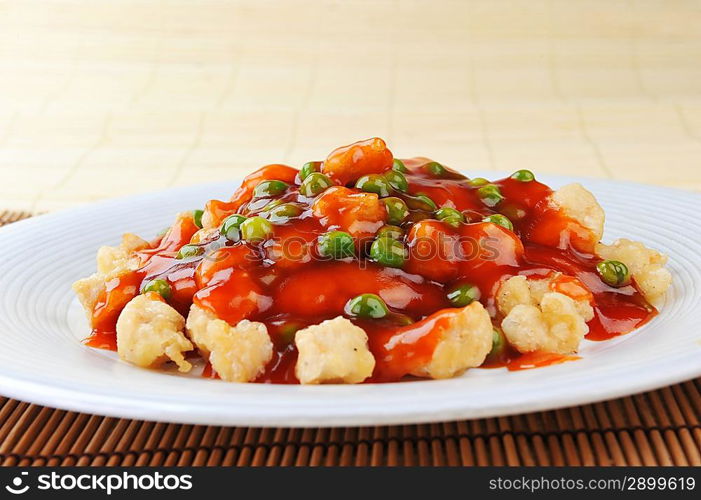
[284, 284]
[281, 370]
[102, 340]
[538, 359]
[399, 351]
[208, 371]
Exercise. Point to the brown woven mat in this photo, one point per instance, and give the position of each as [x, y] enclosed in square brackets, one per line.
[655, 428]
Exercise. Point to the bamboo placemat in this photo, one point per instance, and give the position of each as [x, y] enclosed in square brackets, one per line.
[655, 428]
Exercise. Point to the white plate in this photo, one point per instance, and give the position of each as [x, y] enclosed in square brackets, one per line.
[43, 361]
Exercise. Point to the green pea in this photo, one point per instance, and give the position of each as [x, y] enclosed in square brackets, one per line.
[285, 211]
[389, 231]
[231, 227]
[271, 205]
[478, 181]
[336, 244]
[613, 273]
[374, 183]
[449, 212]
[267, 189]
[421, 202]
[367, 305]
[308, 168]
[427, 201]
[436, 169]
[197, 217]
[500, 220]
[314, 184]
[398, 166]
[397, 210]
[288, 331]
[388, 252]
[490, 195]
[397, 181]
[498, 345]
[256, 229]
[452, 221]
[161, 287]
[189, 251]
[463, 294]
[400, 319]
[523, 176]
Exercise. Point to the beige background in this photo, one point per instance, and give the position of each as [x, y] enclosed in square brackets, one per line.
[105, 98]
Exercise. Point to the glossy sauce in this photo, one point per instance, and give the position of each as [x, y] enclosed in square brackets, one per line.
[538, 359]
[284, 283]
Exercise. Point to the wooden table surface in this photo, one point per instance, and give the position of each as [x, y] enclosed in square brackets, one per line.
[100, 99]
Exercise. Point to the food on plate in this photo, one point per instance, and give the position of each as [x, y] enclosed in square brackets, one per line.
[238, 353]
[335, 350]
[644, 265]
[150, 332]
[545, 314]
[367, 268]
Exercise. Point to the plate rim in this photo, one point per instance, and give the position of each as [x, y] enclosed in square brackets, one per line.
[143, 409]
